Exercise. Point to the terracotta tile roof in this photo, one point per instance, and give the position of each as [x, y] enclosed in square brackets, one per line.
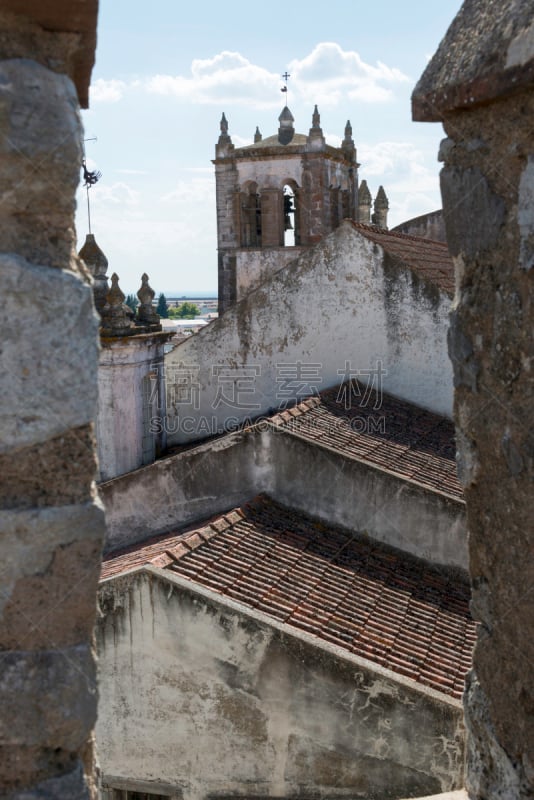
[371, 600]
[428, 259]
[380, 430]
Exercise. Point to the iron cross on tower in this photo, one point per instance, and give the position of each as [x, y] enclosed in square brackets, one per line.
[286, 77]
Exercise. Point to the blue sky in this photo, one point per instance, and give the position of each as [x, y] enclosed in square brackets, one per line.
[162, 80]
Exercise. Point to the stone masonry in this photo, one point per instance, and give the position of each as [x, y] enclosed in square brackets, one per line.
[480, 85]
[51, 521]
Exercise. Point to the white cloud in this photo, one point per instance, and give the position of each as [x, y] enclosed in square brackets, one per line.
[227, 77]
[107, 91]
[196, 192]
[325, 76]
[118, 193]
[400, 158]
[329, 72]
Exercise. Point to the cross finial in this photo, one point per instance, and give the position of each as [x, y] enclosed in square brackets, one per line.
[286, 77]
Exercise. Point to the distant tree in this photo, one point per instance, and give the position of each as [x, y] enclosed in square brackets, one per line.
[162, 308]
[189, 310]
[185, 310]
[132, 301]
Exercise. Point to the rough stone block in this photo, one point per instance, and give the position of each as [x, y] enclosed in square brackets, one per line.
[502, 780]
[475, 227]
[40, 157]
[52, 385]
[71, 785]
[52, 565]
[48, 698]
[57, 472]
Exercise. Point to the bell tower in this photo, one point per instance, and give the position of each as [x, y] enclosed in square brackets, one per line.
[276, 197]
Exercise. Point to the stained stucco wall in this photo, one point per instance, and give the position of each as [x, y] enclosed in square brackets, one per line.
[187, 488]
[192, 486]
[211, 700]
[126, 404]
[342, 305]
[253, 266]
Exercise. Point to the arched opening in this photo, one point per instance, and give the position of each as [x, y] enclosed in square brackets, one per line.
[250, 216]
[290, 216]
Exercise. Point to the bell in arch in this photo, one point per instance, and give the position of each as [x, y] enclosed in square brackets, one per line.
[288, 210]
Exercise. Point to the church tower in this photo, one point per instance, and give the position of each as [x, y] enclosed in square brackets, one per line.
[276, 197]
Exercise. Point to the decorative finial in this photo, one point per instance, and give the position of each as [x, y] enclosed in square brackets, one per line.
[381, 206]
[224, 144]
[364, 203]
[97, 262]
[115, 320]
[381, 200]
[347, 145]
[146, 313]
[257, 135]
[316, 139]
[286, 131]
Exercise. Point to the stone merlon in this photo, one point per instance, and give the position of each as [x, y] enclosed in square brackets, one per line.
[488, 52]
[62, 16]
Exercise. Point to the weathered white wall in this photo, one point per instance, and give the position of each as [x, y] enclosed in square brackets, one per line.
[270, 173]
[192, 486]
[124, 363]
[198, 694]
[336, 304]
[253, 266]
[275, 171]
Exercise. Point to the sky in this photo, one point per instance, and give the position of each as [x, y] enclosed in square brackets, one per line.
[166, 71]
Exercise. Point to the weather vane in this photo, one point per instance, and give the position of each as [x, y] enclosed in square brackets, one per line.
[90, 178]
[286, 77]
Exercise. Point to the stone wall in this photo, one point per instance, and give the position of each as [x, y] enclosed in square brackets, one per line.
[343, 305]
[52, 524]
[480, 84]
[192, 486]
[429, 226]
[213, 701]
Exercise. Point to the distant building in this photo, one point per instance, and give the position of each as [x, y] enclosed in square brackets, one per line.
[281, 195]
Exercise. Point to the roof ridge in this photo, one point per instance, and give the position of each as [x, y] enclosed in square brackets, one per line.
[396, 234]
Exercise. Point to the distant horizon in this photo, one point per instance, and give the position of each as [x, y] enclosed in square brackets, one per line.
[187, 295]
[203, 295]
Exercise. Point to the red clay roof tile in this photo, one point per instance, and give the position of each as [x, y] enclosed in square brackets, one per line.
[409, 442]
[427, 258]
[390, 608]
